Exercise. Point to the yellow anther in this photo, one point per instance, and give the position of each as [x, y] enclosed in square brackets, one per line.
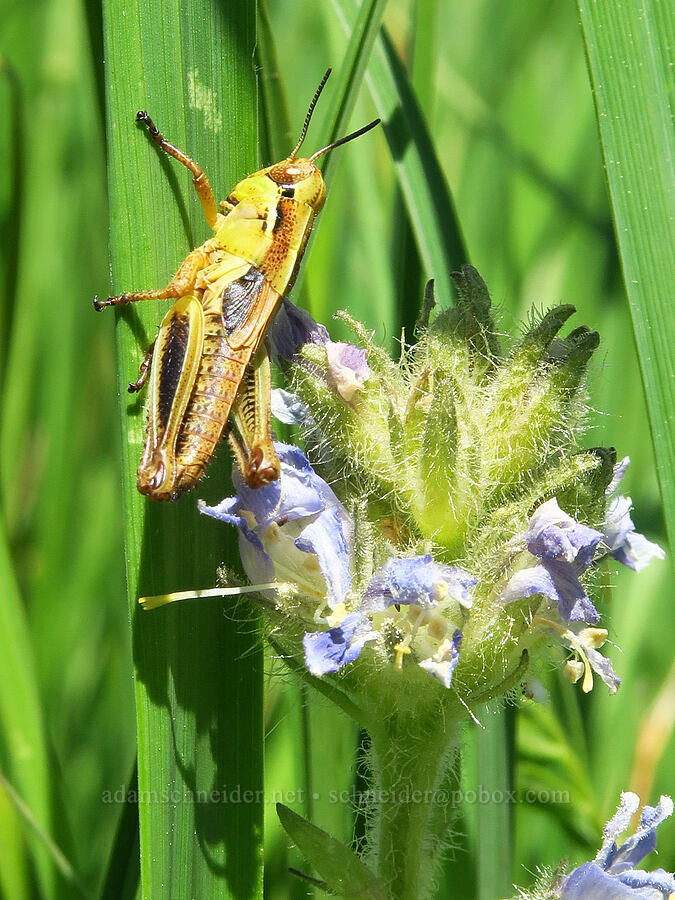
[337, 616]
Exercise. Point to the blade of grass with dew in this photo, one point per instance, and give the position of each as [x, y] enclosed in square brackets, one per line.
[423, 183]
[198, 673]
[629, 49]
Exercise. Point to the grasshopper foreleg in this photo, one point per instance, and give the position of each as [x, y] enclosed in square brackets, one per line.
[199, 179]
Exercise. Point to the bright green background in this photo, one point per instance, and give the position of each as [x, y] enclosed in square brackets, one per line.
[505, 91]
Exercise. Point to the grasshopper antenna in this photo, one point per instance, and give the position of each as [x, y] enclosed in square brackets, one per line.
[308, 117]
[343, 140]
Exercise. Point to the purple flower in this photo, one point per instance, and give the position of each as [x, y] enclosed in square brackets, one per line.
[329, 651]
[294, 529]
[612, 874]
[347, 368]
[289, 408]
[292, 327]
[416, 581]
[623, 542]
[565, 549]
[444, 662]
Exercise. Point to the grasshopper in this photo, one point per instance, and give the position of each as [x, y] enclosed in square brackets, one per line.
[208, 362]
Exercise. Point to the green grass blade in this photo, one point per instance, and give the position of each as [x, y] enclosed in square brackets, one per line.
[123, 876]
[629, 49]
[494, 843]
[198, 672]
[12, 198]
[363, 33]
[15, 880]
[63, 865]
[277, 134]
[422, 180]
[23, 753]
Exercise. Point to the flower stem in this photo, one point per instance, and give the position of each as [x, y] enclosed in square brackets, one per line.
[413, 783]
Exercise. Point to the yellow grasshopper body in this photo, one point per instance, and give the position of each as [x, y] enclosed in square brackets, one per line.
[208, 361]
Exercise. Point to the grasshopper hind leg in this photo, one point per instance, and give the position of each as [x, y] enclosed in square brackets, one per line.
[254, 448]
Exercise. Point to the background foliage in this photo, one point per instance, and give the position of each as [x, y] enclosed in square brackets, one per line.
[505, 93]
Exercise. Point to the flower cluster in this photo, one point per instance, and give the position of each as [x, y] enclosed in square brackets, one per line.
[296, 530]
[463, 523]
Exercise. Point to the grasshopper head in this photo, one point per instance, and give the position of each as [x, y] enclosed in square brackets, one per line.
[300, 178]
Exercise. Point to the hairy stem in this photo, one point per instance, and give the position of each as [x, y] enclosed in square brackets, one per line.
[413, 775]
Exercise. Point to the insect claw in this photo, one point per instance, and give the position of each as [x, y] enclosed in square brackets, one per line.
[98, 304]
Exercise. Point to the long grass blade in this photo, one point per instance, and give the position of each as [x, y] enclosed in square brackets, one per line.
[198, 671]
[422, 180]
[123, 877]
[494, 815]
[23, 751]
[63, 865]
[629, 48]
[363, 33]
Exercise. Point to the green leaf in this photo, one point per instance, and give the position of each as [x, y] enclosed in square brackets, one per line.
[277, 134]
[629, 48]
[123, 875]
[62, 864]
[340, 867]
[198, 666]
